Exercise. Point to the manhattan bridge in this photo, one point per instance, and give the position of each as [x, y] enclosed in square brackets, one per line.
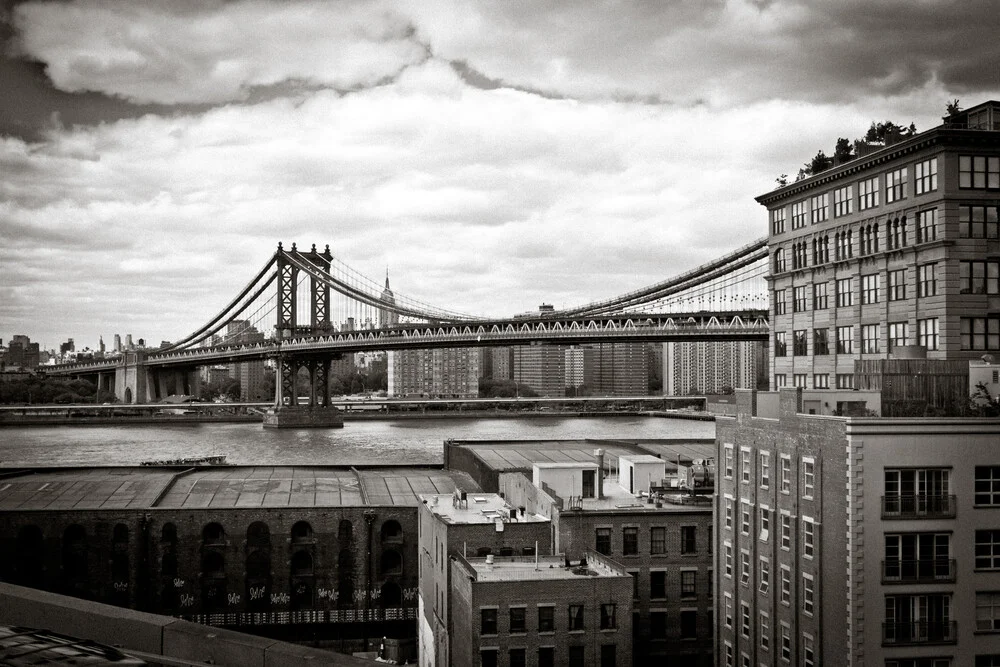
[317, 308]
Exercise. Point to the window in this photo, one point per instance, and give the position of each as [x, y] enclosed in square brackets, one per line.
[821, 250]
[657, 624]
[927, 333]
[895, 231]
[979, 277]
[800, 379]
[546, 656]
[979, 222]
[487, 621]
[927, 226]
[845, 292]
[927, 279]
[843, 200]
[786, 585]
[808, 477]
[657, 584]
[926, 176]
[729, 513]
[808, 594]
[780, 344]
[745, 464]
[780, 380]
[764, 578]
[978, 172]
[688, 589]
[765, 524]
[575, 617]
[800, 343]
[745, 619]
[609, 655]
[744, 567]
[779, 302]
[786, 642]
[808, 650]
[820, 205]
[689, 624]
[917, 492]
[981, 333]
[897, 335]
[657, 540]
[786, 532]
[799, 300]
[868, 193]
[845, 381]
[808, 538]
[819, 296]
[728, 610]
[778, 221]
[869, 339]
[745, 517]
[845, 244]
[729, 461]
[917, 557]
[764, 467]
[786, 474]
[845, 340]
[896, 285]
[516, 657]
[869, 240]
[517, 616]
[546, 619]
[988, 549]
[603, 541]
[488, 657]
[800, 255]
[609, 620]
[895, 185]
[779, 260]
[799, 213]
[821, 381]
[765, 630]
[988, 611]
[688, 539]
[577, 656]
[869, 288]
[630, 541]
[821, 341]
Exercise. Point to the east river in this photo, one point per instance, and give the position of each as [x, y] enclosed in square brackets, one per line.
[381, 442]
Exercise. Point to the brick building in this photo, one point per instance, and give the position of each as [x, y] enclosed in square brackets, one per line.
[888, 520]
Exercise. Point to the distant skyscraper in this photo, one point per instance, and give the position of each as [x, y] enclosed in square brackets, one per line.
[101, 345]
[386, 317]
[707, 367]
[620, 369]
[128, 342]
[541, 367]
[118, 342]
[438, 373]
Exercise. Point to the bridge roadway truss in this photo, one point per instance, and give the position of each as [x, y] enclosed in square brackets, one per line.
[295, 344]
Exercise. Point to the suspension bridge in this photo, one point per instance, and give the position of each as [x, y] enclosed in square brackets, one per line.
[305, 308]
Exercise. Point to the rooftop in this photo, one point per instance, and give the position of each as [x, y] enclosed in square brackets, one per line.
[546, 568]
[477, 508]
[223, 487]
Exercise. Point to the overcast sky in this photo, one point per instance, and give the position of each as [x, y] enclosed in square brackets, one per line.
[492, 155]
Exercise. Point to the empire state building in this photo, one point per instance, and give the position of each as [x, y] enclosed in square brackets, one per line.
[386, 317]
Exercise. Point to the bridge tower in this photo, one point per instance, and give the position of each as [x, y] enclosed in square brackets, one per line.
[287, 413]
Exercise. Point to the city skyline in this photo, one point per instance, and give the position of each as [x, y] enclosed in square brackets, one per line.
[155, 155]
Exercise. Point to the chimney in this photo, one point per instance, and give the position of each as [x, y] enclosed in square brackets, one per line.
[599, 455]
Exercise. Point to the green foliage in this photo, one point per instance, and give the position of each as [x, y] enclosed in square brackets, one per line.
[844, 151]
[39, 389]
[504, 389]
[952, 108]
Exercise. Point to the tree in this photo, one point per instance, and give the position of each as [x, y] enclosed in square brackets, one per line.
[844, 151]
[782, 180]
[819, 163]
[952, 108]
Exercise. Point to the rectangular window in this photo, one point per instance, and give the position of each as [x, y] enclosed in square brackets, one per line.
[800, 380]
[897, 335]
[546, 656]
[843, 201]
[487, 621]
[745, 619]
[546, 619]
[764, 575]
[808, 650]
[745, 517]
[821, 381]
[630, 541]
[517, 615]
[745, 464]
[979, 277]
[800, 343]
[575, 617]
[658, 624]
[895, 185]
[728, 503]
[779, 302]
[845, 381]
[869, 288]
[820, 205]
[764, 518]
[688, 534]
[516, 657]
[609, 616]
[745, 567]
[786, 532]
[988, 549]
[895, 233]
[979, 222]
[808, 538]
[603, 541]
[808, 477]
[927, 226]
[657, 584]
[689, 624]
[868, 193]
[488, 657]
[786, 474]
[926, 176]
[780, 380]
[657, 540]
[981, 333]
[688, 589]
[808, 594]
[728, 609]
[786, 585]
[780, 344]
[786, 643]
[799, 301]
[845, 340]
[927, 333]
[978, 172]
[988, 611]
[845, 292]
[764, 465]
[799, 214]
[896, 285]
[869, 339]
[765, 630]
[821, 341]
[988, 486]
[729, 461]
[927, 279]
[778, 221]
[819, 296]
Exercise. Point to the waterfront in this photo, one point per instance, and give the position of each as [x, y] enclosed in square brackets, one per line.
[375, 442]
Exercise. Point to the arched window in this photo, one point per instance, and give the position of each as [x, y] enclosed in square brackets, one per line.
[302, 564]
[258, 535]
[392, 531]
[168, 533]
[345, 532]
[302, 532]
[779, 260]
[213, 533]
[390, 562]
[258, 580]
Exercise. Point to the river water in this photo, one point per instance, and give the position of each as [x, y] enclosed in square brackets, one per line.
[388, 441]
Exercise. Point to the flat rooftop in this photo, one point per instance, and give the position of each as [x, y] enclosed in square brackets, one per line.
[478, 508]
[548, 568]
[218, 487]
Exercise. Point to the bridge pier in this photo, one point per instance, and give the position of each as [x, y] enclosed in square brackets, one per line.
[317, 411]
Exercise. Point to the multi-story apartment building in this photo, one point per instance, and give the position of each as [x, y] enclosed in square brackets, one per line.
[708, 367]
[893, 253]
[620, 369]
[541, 367]
[438, 373]
[849, 541]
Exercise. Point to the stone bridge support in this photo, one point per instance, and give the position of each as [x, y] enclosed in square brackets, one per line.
[135, 382]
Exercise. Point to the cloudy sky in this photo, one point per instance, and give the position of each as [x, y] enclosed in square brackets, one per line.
[492, 155]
